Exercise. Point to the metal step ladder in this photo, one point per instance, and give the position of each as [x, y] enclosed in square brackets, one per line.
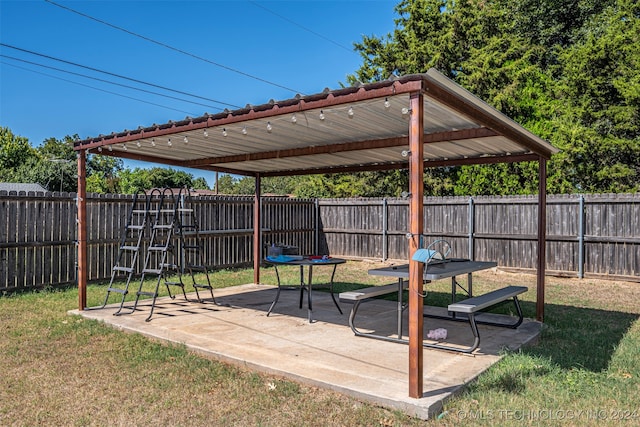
[162, 257]
[130, 247]
[192, 251]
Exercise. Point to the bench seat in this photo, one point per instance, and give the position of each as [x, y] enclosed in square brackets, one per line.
[487, 300]
[370, 292]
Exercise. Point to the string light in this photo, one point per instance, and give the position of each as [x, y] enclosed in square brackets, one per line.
[350, 112]
[138, 144]
[186, 140]
[206, 133]
[269, 127]
[387, 104]
[124, 147]
[244, 130]
[321, 115]
[110, 148]
[169, 142]
[405, 111]
[153, 142]
[224, 132]
[294, 119]
[100, 149]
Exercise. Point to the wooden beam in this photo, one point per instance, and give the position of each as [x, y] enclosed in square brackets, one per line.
[81, 201]
[324, 100]
[542, 237]
[401, 141]
[416, 227]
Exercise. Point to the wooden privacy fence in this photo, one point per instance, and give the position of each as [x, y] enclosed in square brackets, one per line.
[38, 233]
[592, 235]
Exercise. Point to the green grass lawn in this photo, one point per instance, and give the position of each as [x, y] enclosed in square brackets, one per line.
[66, 370]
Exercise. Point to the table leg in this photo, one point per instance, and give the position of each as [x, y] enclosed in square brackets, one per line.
[301, 284]
[273, 304]
[400, 285]
[333, 273]
[310, 308]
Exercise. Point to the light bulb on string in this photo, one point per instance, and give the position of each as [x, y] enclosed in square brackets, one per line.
[350, 113]
[153, 142]
[224, 132]
[244, 130]
[138, 144]
[205, 133]
[294, 119]
[387, 104]
[269, 127]
[186, 140]
[321, 115]
[124, 147]
[169, 142]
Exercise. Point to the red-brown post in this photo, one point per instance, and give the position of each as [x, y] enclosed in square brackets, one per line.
[81, 203]
[257, 227]
[542, 237]
[416, 269]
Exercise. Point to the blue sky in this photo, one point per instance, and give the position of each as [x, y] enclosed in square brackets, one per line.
[277, 49]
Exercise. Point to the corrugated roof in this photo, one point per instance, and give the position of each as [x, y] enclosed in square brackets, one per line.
[356, 128]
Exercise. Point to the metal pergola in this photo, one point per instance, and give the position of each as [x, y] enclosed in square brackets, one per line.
[411, 122]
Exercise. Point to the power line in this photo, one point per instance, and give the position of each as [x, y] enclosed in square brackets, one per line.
[116, 75]
[301, 26]
[105, 81]
[175, 49]
[98, 89]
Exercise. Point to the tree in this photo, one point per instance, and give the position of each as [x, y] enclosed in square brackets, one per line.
[564, 69]
[14, 151]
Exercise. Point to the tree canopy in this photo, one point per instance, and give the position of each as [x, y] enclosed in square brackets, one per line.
[565, 69]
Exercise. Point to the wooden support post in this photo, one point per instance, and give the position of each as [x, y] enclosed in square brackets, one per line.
[542, 237]
[81, 204]
[416, 269]
[257, 227]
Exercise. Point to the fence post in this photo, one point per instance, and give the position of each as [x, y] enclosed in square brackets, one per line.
[581, 237]
[471, 228]
[385, 249]
[316, 237]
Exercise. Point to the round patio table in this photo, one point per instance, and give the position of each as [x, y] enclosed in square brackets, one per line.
[310, 263]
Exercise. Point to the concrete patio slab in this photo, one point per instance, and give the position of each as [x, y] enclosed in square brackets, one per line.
[324, 353]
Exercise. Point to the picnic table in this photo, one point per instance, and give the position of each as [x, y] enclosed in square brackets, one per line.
[435, 270]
